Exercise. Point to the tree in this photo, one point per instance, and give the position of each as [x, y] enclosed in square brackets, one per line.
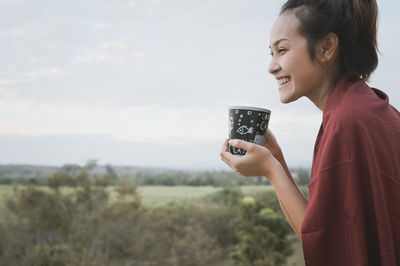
[80, 226]
[91, 164]
[176, 235]
[59, 179]
[71, 169]
[263, 236]
[229, 196]
[112, 174]
[303, 176]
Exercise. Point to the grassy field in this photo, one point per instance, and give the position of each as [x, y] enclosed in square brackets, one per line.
[4, 189]
[159, 195]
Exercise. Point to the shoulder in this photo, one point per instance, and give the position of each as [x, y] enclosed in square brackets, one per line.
[360, 107]
[350, 109]
[360, 126]
[347, 122]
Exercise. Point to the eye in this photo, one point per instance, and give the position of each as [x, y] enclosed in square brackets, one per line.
[281, 50]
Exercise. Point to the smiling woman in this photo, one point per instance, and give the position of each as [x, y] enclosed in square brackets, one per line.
[326, 50]
[297, 74]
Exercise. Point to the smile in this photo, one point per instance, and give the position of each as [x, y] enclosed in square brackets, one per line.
[282, 81]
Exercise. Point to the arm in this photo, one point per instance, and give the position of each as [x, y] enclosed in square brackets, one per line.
[260, 161]
[272, 144]
[291, 199]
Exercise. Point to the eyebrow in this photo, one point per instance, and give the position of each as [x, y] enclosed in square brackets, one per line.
[278, 41]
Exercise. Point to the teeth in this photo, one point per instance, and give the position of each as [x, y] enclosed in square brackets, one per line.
[284, 80]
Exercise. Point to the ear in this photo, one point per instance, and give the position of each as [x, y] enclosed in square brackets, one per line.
[327, 48]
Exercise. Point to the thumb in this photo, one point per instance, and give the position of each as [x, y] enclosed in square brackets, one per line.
[237, 143]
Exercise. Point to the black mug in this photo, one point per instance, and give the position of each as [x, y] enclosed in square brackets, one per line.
[249, 124]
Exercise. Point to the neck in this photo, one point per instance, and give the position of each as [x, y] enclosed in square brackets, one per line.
[320, 96]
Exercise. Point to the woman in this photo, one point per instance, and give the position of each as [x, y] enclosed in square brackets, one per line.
[326, 50]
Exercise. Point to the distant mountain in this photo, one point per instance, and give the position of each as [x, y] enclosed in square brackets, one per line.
[26, 171]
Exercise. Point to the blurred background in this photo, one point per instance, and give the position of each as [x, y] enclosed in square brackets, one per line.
[112, 116]
[148, 83]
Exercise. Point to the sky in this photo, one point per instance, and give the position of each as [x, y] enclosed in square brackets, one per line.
[148, 83]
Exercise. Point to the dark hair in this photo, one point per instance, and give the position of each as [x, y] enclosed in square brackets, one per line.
[354, 23]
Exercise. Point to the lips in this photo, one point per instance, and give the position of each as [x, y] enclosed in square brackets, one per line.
[283, 80]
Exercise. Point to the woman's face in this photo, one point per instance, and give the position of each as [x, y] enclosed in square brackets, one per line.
[291, 65]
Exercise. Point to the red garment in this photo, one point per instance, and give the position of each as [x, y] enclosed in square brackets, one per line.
[353, 214]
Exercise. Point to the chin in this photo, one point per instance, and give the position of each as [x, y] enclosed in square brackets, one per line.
[286, 99]
[284, 102]
[288, 96]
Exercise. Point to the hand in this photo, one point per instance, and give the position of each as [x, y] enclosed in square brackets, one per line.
[258, 160]
[272, 144]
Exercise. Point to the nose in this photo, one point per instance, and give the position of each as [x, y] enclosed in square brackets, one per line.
[273, 66]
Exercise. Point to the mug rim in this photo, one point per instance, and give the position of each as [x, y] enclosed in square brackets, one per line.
[250, 108]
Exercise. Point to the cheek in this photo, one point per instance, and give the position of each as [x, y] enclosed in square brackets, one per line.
[292, 64]
[304, 71]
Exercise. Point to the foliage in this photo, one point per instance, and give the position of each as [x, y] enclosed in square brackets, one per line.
[79, 220]
[263, 236]
[228, 196]
[303, 176]
[78, 226]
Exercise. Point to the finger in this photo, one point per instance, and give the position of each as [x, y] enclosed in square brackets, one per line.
[225, 161]
[224, 147]
[270, 135]
[225, 154]
[237, 143]
[228, 157]
[231, 161]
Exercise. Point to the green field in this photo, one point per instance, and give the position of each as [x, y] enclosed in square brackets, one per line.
[4, 190]
[160, 195]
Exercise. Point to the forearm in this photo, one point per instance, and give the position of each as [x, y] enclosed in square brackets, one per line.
[292, 201]
[281, 159]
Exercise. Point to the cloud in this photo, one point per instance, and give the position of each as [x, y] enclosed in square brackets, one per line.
[148, 123]
[32, 31]
[8, 92]
[7, 82]
[108, 57]
[131, 3]
[296, 125]
[18, 32]
[109, 45]
[138, 53]
[109, 52]
[49, 73]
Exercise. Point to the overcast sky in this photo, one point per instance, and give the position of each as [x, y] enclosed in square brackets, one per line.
[148, 83]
